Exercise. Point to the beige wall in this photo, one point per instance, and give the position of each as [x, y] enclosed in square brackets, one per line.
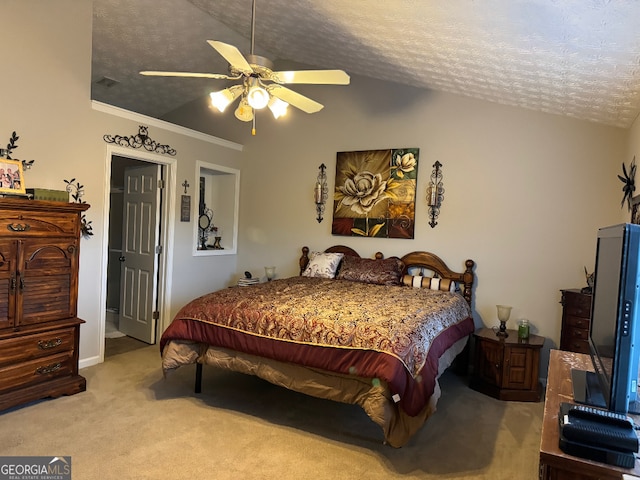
[525, 191]
[45, 98]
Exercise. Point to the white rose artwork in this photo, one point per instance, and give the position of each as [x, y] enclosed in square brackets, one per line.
[375, 193]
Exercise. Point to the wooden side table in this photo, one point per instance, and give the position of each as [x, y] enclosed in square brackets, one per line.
[554, 463]
[507, 368]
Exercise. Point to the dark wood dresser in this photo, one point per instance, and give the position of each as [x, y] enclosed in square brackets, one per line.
[576, 316]
[39, 327]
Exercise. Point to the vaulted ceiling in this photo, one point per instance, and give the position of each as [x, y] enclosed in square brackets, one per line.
[579, 58]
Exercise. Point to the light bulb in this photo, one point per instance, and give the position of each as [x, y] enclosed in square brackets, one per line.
[277, 107]
[257, 96]
[244, 112]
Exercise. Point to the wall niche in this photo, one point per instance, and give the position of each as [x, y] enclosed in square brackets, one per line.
[215, 210]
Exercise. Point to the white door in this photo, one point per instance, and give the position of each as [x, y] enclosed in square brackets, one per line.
[140, 231]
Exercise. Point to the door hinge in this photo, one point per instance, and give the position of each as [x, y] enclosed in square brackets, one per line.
[160, 184]
[156, 315]
[158, 249]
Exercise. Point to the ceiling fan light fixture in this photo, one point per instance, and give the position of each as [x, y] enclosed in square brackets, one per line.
[222, 99]
[257, 96]
[244, 112]
[278, 107]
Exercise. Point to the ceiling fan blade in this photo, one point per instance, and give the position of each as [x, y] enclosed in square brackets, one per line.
[217, 76]
[325, 77]
[293, 98]
[232, 55]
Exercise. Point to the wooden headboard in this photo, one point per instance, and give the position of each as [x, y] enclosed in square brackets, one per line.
[434, 263]
[304, 259]
[426, 260]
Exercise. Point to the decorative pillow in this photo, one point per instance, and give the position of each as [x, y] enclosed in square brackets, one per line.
[323, 265]
[368, 270]
[432, 283]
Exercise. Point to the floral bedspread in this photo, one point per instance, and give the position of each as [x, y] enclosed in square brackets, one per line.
[393, 333]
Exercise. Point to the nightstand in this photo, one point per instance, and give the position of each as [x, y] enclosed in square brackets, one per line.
[507, 368]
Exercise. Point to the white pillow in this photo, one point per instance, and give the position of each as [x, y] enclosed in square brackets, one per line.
[323, 265]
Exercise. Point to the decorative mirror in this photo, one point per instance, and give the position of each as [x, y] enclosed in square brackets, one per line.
[204, 224]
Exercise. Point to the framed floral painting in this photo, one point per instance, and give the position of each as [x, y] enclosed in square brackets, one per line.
[11, 177]
[375, 193]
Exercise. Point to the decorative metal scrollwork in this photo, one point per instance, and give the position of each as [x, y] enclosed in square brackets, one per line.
[321, 192]
[435, 193]
[140, 140]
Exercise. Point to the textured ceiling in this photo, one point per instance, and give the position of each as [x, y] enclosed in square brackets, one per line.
[579, 58]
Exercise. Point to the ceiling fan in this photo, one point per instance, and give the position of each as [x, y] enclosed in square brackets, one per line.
[260, 86]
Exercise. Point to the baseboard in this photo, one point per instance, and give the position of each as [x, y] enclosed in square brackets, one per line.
[89, 362]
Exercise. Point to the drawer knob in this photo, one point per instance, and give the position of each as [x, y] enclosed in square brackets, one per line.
[54, 367]
[48, 344]
[19, 227]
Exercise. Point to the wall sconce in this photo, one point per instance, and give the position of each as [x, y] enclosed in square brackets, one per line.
[320, 192]
[435, 194]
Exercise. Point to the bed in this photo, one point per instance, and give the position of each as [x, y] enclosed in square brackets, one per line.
[373, 332]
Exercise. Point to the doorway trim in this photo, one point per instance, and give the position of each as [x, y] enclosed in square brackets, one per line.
[167, 219]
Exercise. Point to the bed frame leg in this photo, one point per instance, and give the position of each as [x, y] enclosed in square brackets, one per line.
[198, 386]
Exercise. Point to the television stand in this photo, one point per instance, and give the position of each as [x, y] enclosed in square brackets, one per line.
[554, 463]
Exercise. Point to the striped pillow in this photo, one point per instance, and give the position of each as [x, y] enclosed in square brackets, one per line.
[432, 283]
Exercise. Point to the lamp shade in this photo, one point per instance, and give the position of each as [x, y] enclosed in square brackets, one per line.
[222, 99]
[277, 107]
[244, 112]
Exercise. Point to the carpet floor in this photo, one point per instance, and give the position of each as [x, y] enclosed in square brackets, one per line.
[132, 423]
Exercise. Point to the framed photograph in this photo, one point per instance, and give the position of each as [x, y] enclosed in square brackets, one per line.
[11, 177]
[635, 209]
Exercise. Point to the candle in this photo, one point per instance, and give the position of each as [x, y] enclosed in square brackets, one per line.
[433, 195]
[318, 193]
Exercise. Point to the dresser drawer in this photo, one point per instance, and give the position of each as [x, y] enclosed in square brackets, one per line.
[575, 345]
[578, 305]
[22, 223]
[577, 323]
[29, 347]
[36, 371]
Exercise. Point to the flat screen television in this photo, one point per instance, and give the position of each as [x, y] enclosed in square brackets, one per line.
[614, 333]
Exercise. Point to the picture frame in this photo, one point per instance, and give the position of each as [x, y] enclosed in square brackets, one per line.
[11, 177]
[635, 210]
[375, 193]
[185, 208]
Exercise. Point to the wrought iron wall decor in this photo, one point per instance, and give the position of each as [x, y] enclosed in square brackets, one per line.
[12, 145]
[629, 183]
[321, 192]
[77, 192]
[435, 193]
[375, 193]
[140, 140]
